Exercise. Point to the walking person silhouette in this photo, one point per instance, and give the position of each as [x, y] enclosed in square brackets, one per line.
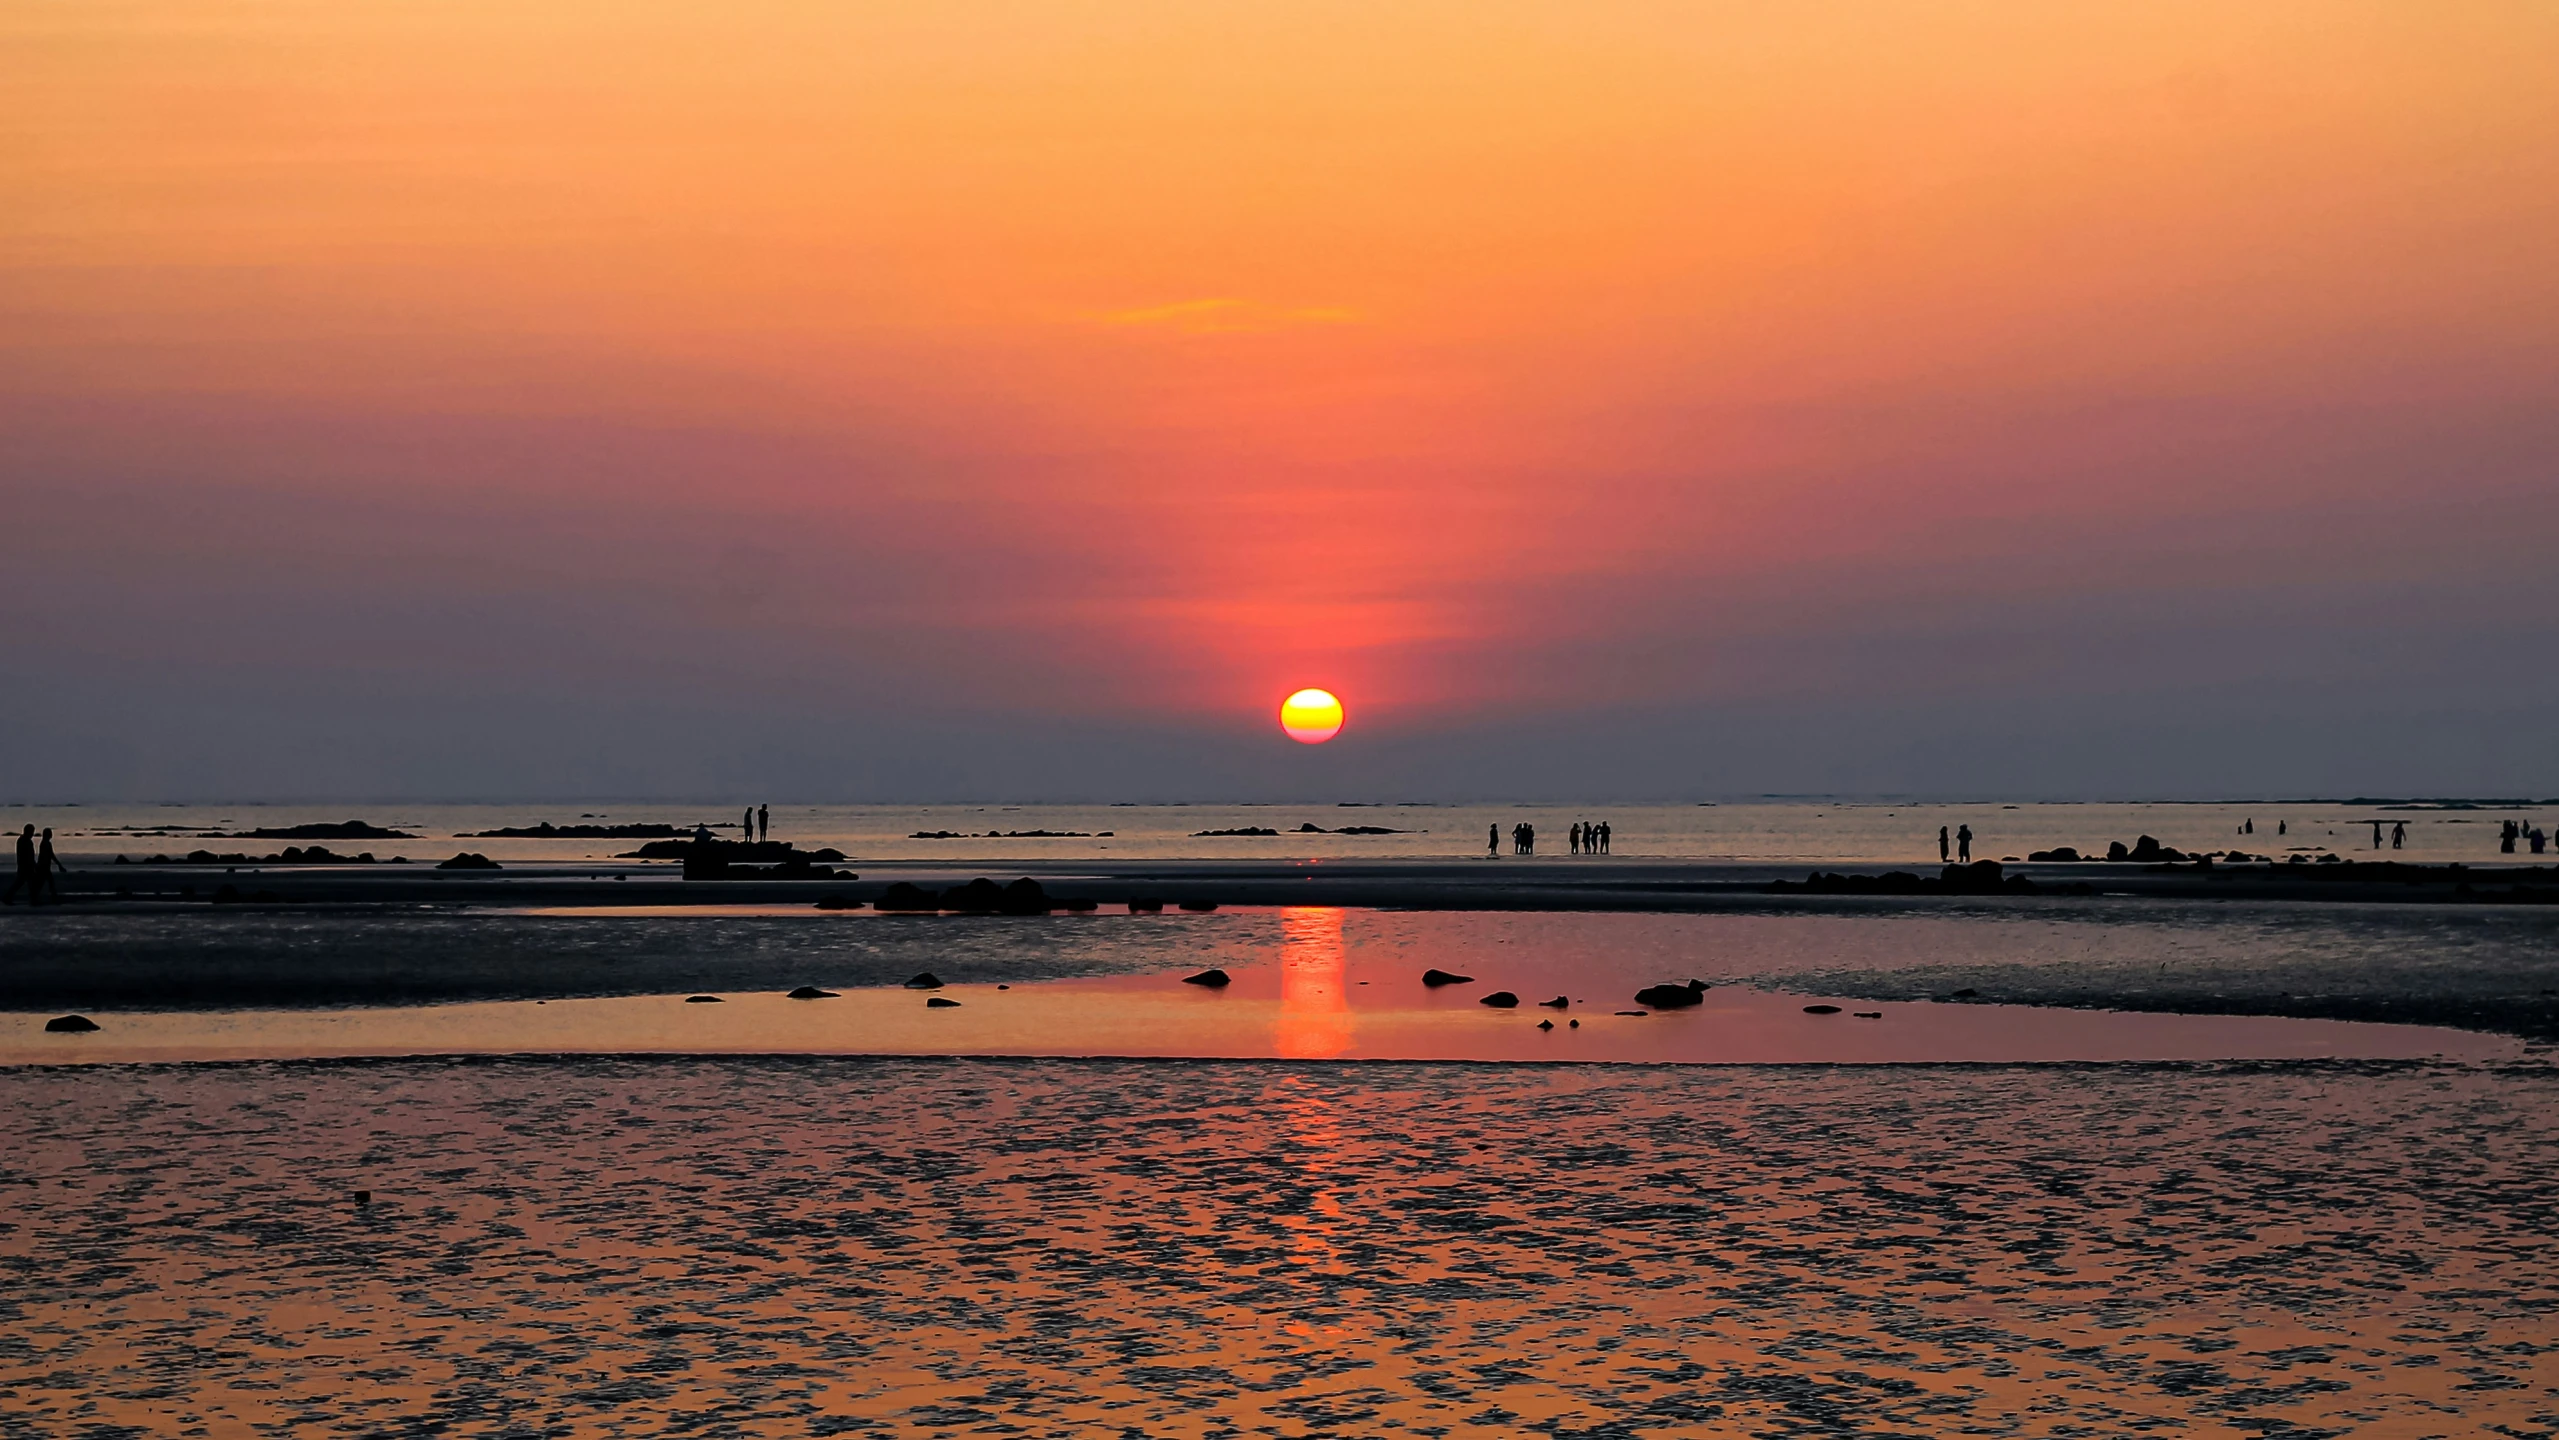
[46, 864]
[26, 878]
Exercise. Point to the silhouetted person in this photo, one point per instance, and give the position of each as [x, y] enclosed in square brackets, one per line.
[2376, 835]
[1607, 837]
[763, 822]
[2540, 838]
[47, 863]
[2399, 835]
[2252, 826]
[1942, 856]
[2283, 827]
[26, 877]
[1964, 843]
[1573, 837]
[746, 827]
[1493, 841]
[2505, 837]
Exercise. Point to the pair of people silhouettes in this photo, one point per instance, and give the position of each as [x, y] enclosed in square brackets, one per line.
[37, 866]
[1963, 845]
[758, 824]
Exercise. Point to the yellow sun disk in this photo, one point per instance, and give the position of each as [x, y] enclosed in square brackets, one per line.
[1311, 717]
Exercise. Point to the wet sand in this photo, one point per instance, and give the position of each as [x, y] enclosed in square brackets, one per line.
[1046, 1248]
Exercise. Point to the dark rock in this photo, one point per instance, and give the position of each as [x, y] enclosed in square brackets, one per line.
[1631, 1014]
[1200, 907]
[1079, 906]
[1311, 828]
[1967, 993]
[1545, 1024]
[939, 1003]
[903, 896]
[1500, 1000]
[703, 1000]
[2116, 852]
[1246, 830]
[1145, 905]
[1025, 897]
[364, 1197]
[1374, 830]
[1867, 1014]
[1821, 1009]
[1211, 977]
[925, 981]
[70, 1025]
[1672, 997]
[1437, 978]
[1558, 1003]
[1576, 1024]
[2059, 854]
[811, 992]
[470, 860]
[980, 896]
[2147, 851]
[838, 902]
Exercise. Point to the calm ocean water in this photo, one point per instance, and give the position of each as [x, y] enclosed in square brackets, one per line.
[1792, 831]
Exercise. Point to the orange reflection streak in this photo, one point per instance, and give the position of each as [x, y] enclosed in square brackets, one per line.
[1315, 1012]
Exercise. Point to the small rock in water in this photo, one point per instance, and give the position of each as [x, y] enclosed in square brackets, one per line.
[925, 981]
[1558, 1003]
[1867, 1014]
[1821, 1009]
[1003, 987]
[1575, 1024]
[1967, 993]
[70, 1025]
[938, 1002]
[1211, 977]
[703, 1000]
[1672, 997]
[1199, 907]
[1436, 978]
[1145, 905]
[1545, 1024]
[1631, 1014]
[364, 1197]
[1500, 1000]
[811, 992]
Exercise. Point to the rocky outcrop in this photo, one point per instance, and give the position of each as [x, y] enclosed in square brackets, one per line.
[1672, 997]
[1437, 978]
[1500, 1000]
[1212, 977]
[470, 860]
[811, 992]
[70, 1025]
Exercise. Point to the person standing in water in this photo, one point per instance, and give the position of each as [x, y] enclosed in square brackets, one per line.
[1964, 844]
[47, 863]
[1493, 841]
[2399, 835]
[1942, 856]
[26, 879]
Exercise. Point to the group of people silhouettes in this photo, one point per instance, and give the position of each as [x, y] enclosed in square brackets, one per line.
[1962, 846]
[37, 867]
[1587, 837]
[758, 824]
[2514, 830]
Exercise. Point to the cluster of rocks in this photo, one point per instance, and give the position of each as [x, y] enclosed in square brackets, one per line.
[340, 830]
[548, 831]
[1982, 877]
[470, 860]
[1309, 828]
[289, 855]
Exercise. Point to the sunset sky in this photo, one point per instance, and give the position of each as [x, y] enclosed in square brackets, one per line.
[859, 400]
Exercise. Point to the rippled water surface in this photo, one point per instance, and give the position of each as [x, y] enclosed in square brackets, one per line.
[815, 1247]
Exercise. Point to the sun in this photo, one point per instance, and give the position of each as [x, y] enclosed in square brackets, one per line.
[1311, 717]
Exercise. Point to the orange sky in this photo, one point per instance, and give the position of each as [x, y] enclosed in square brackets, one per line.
[1452, 355]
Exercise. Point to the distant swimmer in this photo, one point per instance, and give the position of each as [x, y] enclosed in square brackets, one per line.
[1942, 855]
[1964, 843]
[26, 879]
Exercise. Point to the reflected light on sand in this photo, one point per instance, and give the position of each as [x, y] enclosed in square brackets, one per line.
[1315, 1011]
